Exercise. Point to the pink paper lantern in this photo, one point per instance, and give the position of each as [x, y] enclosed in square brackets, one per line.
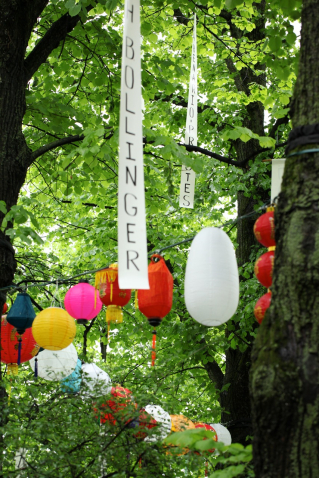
[80, 302]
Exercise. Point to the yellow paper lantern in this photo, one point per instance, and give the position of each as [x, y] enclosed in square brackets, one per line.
[180, 424]
[53, 329]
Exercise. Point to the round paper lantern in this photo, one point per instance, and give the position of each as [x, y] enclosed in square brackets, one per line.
[81, 302]
[181, 423]
[211, 279]
[223, 434]
[106, 282]
[53, 328]
[264, 267]
[163, 420]
[96, 382]
[261, 306]
[264, 229]
[55, 365]
[143, 423]
[72, 383]
[210, 428]
[5, 308]
[120, 404]
[10, 345]
[21, 314]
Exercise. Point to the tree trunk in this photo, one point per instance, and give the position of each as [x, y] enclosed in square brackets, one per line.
[285, 371]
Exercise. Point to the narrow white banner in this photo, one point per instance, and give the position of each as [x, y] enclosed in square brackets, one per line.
[132, 242]
[187, 187]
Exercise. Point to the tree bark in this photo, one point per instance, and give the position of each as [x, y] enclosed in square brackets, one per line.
[285, 371]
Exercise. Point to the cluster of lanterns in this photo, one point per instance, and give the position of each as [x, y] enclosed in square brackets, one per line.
[264, 230]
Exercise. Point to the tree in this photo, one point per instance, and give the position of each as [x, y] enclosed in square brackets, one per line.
[70, 122]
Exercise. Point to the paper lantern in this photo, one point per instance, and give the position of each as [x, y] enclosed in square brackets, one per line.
[55, 365]
[163, 420]
[210, 428]
[106, 282]
[223, 435]
[181, 423]
[21, 314]
[10, 345]
[5, 308]
[72, 383]
[261, 306]
[81, 302]
[96, 382]
[120, 405]
[264, 228]
[53, 328]
[144, 422]
[264, 267]
[211, 279]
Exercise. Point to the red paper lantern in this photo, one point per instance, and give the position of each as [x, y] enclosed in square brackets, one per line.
[106, 282]
[10, 344]
[145, 421]
[156, 302]
[5, 308]
[264, 267]
[261, 306]
[120, 404]
[264, 229]
[207, 427]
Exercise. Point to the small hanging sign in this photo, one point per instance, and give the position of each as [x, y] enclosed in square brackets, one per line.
[187, 187]
[132, 242]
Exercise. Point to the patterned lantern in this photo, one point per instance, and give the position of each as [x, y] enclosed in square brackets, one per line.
[120, 404]
[106, 282]
[72, 383]
[264, 228]
[163, 420]
[156, 302]
[261, 306]
[143, 423]
[10, 346]
[55, 365]
[53, 329]
[211, 278]
[21, 314]
[96, 382]
[210, 428]
[180, 424]
[81, 303]
[264, 267]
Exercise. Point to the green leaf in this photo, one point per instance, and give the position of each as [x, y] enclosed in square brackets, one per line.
[275, 43]
[75, 10]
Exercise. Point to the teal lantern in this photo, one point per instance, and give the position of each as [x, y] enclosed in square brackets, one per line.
[72, 383]
[21, 314]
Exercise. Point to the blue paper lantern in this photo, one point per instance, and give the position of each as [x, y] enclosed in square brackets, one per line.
[21, 314]
[72, 383]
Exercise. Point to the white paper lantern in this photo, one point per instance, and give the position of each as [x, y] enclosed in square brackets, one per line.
[163, 419]
[223, 434]
[56, 364]
[96, 381]
[211, 279]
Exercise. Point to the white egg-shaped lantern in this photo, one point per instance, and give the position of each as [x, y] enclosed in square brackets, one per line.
[55, 364]
[96, 382]
[164, 423]
[211, 279]
[223, 434]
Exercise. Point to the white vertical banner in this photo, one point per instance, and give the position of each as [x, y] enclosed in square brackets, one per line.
[132, 242]
[277, 172]
[187, 187]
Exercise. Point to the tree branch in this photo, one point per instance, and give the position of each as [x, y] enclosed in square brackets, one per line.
[280, 121]
[55, 144]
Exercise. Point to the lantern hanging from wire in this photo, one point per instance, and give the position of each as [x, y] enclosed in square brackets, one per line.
[55, 365]
[264, 228]
[264, 267]
[81, 302]
[156, 302]
[210, 428]
[72, 383]
[181, 424]
[10, 346]
[119, 408]
[163, 420]
[222, 433]
[211, 278]
[54, 328]
[96, 382]
[261, 306]
[143, 423]
[106, 282]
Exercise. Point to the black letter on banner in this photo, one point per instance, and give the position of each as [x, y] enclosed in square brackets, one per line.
[125, 205]
[184, 198]
[129, 232]
[131, 47]
[126, 107]
[191, 112]
[186, 186]
[126, 126]
[129, 151]
[191, 141]
[188, 175]
[128, 174]
[132, 77]
[131, 260]
[131, 12]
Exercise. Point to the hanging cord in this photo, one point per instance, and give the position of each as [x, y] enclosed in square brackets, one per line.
[19, 348]
[154, 348]
[36, 367]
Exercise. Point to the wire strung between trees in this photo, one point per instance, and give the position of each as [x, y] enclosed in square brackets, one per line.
[41, 284]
